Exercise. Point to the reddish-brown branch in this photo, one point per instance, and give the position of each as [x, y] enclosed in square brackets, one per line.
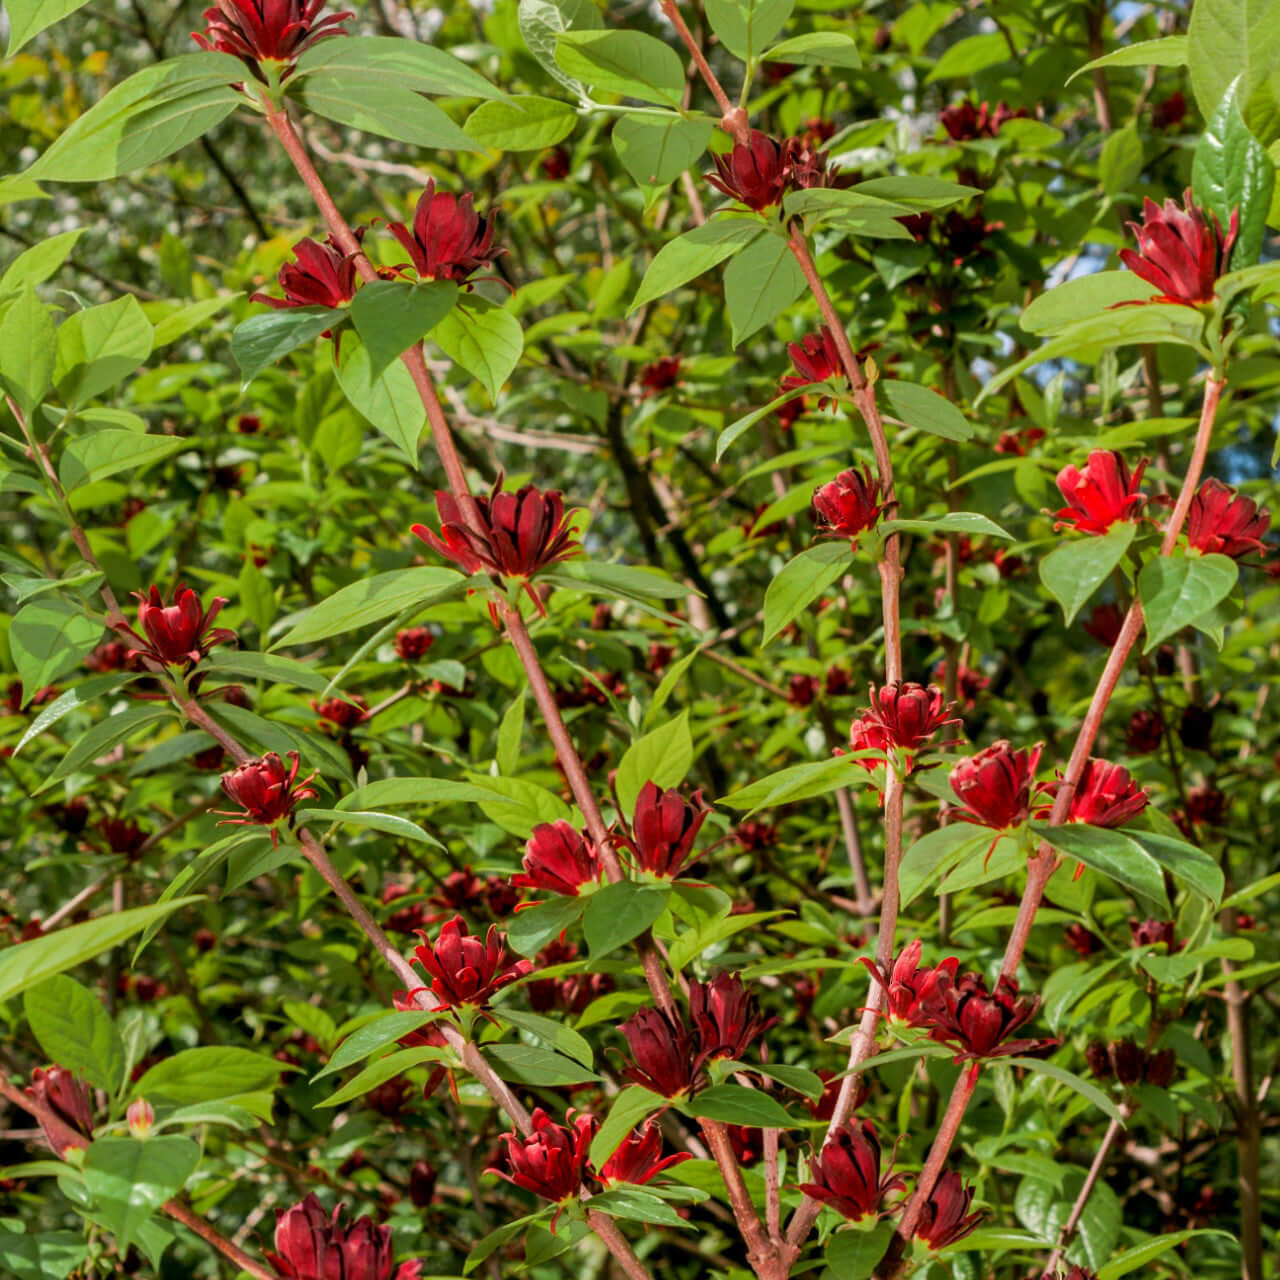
[1101, 1156]
[760, 1250]
[733, 119]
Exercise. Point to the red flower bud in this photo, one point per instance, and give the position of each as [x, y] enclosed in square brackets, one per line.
[846, 1173]
[945, 1217]
[1179, 252]
[1106, 796]
[412, 643]
[122, 835]
[341, 711]
[906, 982]
[1083, 941]
[558, 858]
[966, 123]
[817, 359]
[1144, 732]
[1100, 495]
[726, 1017]
[141, 1118]
[1206, 804]
[180, 632]
[661, 375]
[802, 690]
[904, 715]
[847, 506]
[513, 534]
[312, 1246]
[551, 1161]
[266, 790]
[59, 1091]
[267, 30]
[963, 1014]
[422, 1184]
[663, 1053]
[639, 1159]
[1223, 522]
[464, 969]
[1127, 1061]
[449, 240]
[1152, 933]
[664, 827]
[1104, 624]
[995, 785]
[1169, 112]
[321, 275]
[556, 164]
[754, 173]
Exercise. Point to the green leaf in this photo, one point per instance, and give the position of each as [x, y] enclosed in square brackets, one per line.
[952, 522]
[371, 600]
[385, 109]
[1232, 170]
[130, 1179]
[528, 1064]
[1133, 1259]
[28, 343]
[936, 853]
[104, 735]
[1176, 590]
[263, 339]
[523, 123]
[1113, 853]
[484, 339]
[149, 116]
[853, 1254]
[1073, 571]
[1168, 51]
[1043, 1208]
[179, 323]
[389, 400]
[693, 942]
[49, 637]
[99, 347]
[627, 62]
[82, 695]
[407, 64]
[627, 1110]
[542, 21]
[387, 823]
[1229, 40]
[382, 1070]
[1084, 1088]
[30, 963]
[697, 251]
[487, 1245]
[35, 265]
[800, 582]
[736, 1104]
[28, 18]
[1082, 298]
[747, 27]
[110, 451]
[530, 930]
[761, 282]
[629, 582]
[75, 1031]
[51, 1255]
[563, 1039]
[797, 782]
[663, 756]
[970, 55]
[636, 1204]
[207, 1074]
[818, 49]
[1121, 160]
[734, 430]
[385, 1029]
[1183, 861]
[925, 409]
[393, 315]
[917, 191]
[274, 668]
[620, 912]
[657, 151]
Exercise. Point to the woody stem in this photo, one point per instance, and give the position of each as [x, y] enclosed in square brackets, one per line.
[732, 120]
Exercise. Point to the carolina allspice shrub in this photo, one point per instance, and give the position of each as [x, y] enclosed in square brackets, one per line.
[638, 640]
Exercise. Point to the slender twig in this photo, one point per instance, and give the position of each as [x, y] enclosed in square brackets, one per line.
[1101, 1156]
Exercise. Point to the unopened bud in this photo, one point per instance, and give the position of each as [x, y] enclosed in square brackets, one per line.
[141, 1117]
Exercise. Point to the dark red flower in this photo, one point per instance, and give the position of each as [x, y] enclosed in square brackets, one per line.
[422, 1184]
[345, 713]
[321, 275]
[754, 173]
[753, 835]
[1101, 494]
[180, 632]
[111, 655]
[312, 1246]
[1169, 112]
[412, 643]
[661, 375]
[460, 890]
[662, 1052]
[847, 506]
[639, 1159]
[1206, 804]
[906, 982]
[1153, 933]
[501, 896]
[1161, 1068]
[463, 968]
[1179, 252]
[904, 715]
[266, 790]
[558, 858]
[572, 992]
[805, 167]
[817, 359]
[945, 1217]
[1223, 522]
[837, 682]
[122, 835]
[995, 785]
[555, 164]
[59, 1091]
[1106, 796]
[788, 413]
[267, 30]
[846, 1173]
[1082, 941]
[746, 1143]
[1104, 624]
[449, 240]
[1144, 732]
[802, 690]
[664, 828]
[1195, 727]
[965, 123]
[514, 534]
[726, 1017]
[660, 656]
[551, 1161]
[962, 1014]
